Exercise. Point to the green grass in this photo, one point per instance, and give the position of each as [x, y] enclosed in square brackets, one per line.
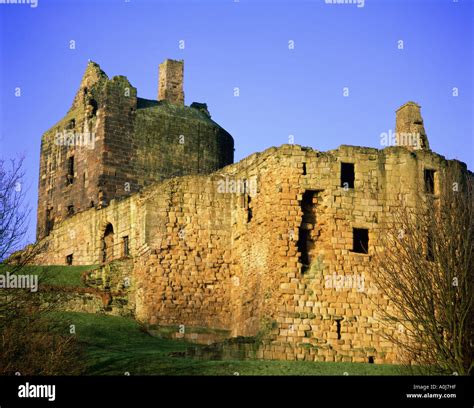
[115, 345]
[57, 275]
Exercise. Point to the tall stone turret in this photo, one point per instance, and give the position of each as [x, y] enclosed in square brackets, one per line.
[409, 128]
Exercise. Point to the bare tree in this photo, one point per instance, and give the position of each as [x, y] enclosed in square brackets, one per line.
[426, 272]
[13, 215]
[31, 343]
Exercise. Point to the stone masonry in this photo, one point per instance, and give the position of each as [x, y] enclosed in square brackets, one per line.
[111, 144]
[171, 82]
[279, 245]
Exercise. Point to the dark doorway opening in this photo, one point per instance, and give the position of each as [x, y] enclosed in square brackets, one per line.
[69, 259]
[108, 243]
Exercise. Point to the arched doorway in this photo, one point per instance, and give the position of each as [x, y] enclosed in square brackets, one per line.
[108, 243]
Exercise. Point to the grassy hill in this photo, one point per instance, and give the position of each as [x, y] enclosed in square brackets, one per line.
[116, 346]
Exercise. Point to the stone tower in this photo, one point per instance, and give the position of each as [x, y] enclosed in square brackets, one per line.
[112, 143]
[409, 128]
[170, 86]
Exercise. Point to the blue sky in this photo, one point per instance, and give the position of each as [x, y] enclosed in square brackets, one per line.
[245, 45]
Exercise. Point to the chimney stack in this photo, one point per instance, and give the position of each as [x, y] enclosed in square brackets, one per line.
[409, 128]
[170, 86]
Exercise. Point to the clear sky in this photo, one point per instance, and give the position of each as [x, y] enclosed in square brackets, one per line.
[385, 53]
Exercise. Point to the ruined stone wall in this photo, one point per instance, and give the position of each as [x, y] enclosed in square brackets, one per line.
[115, 282]
[118, 177]
[185, 279]
[82, 234]
[312, 318]
[261, 247]
[70, 161]
[179, 236]
[304, 310]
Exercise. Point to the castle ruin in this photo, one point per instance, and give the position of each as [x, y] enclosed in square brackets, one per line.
[279, 243]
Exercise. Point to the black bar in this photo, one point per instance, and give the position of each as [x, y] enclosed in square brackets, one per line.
[317, 388]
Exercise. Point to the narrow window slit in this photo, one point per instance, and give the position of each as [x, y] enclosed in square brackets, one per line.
[126, 247]
[70, 170]
[429, 176]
